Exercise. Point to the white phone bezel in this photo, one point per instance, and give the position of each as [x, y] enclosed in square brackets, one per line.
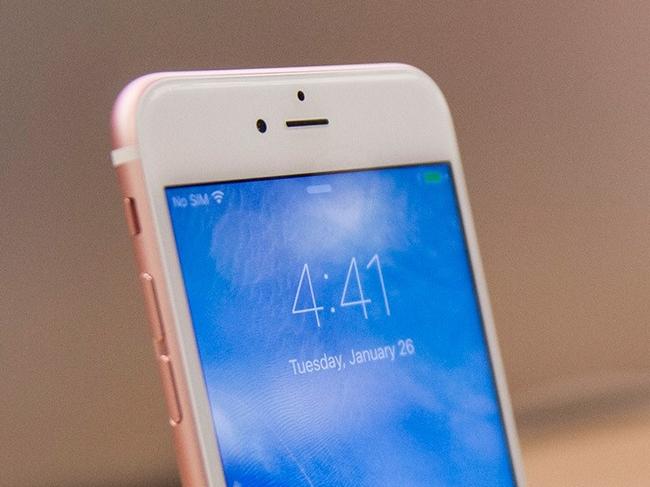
[198, 129]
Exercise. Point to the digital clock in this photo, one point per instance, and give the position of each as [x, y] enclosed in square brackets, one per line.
[305, 286]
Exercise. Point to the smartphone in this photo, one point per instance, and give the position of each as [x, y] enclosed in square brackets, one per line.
[312, 279]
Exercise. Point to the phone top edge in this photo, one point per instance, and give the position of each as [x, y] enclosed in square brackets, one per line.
[123, 116]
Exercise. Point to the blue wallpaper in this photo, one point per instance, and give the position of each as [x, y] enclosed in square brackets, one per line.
[339, 330]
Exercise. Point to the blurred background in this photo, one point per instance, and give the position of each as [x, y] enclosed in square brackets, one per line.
[552, 108]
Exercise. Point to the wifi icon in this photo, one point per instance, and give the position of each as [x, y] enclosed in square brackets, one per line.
[217, 196]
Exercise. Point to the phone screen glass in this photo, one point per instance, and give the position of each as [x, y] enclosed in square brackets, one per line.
[339, 330]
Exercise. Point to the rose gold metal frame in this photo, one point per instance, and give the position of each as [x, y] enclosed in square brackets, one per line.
[175, 387]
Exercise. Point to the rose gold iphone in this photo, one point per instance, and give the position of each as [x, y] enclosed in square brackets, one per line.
[312, 278]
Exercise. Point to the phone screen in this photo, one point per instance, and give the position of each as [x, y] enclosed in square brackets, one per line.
[339, 330]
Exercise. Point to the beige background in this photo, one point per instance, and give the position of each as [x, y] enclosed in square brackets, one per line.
[552, 107]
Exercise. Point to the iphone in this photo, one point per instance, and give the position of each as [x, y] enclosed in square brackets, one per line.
[312, 279]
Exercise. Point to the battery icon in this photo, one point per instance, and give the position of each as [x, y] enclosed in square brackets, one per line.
[432, 177]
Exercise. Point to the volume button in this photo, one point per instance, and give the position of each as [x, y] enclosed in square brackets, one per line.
[153, 307]
[169, 388]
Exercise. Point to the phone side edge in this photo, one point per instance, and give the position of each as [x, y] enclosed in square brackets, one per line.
[480, 282]
[489, 327]
[130, 174]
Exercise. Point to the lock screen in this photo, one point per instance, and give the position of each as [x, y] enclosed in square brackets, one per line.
[339, 330]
